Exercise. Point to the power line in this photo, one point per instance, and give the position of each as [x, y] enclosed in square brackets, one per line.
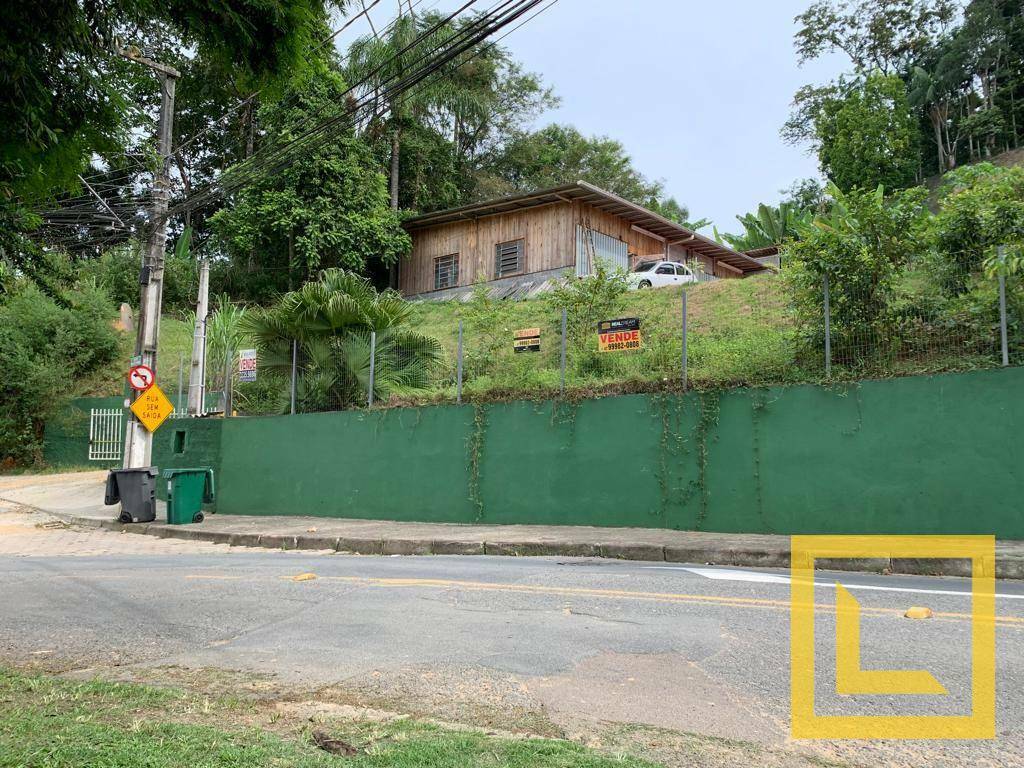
[273, 159]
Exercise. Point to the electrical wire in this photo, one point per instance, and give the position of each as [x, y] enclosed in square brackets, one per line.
[474, 32]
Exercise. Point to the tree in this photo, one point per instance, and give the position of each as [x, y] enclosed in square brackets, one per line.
[805, 195]
[327, 208]
[868, 137]
[471, 107]
[58, 100]
[331, 319]
[44, 343]
[982, 208]
[560, 154]
[863, 246]
[883, 35]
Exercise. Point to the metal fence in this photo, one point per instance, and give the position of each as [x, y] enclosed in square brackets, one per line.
[765, 330]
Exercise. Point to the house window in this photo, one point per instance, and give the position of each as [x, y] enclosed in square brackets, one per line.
[508, 258]
[446, 271]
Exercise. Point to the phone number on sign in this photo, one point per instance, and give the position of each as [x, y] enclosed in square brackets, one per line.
[616, 346]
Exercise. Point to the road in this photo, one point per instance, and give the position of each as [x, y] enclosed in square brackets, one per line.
[533, 644]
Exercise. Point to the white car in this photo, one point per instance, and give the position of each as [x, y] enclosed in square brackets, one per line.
[658, 274]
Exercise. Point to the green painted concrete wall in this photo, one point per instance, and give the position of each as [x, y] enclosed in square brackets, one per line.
[200, 444]
[942, 454]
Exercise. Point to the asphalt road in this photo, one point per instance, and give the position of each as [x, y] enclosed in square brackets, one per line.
[507, 640]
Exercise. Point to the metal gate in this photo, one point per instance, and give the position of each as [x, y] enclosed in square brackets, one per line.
[106, 434]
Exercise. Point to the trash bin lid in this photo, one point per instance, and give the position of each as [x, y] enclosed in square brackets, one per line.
[151, 471]
[170, 473]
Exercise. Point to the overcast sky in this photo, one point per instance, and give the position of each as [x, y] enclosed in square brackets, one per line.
[695, 91]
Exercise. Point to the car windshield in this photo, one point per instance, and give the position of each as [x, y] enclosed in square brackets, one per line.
[645, 266]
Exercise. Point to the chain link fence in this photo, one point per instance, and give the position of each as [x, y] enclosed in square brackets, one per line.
[771, 329]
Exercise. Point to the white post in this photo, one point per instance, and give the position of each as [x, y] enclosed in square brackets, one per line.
[197, 374]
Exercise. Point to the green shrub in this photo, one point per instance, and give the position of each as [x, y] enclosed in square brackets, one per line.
[45, 346]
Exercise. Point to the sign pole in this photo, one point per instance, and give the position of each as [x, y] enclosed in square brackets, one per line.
[138, 449]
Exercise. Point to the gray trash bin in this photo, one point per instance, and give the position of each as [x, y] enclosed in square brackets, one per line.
[136, 490]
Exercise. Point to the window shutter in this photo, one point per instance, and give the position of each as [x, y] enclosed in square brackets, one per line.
[508, 258]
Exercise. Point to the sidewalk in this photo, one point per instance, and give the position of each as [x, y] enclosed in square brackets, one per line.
[77, 498]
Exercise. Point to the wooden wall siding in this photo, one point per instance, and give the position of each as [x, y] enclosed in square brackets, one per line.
[547, 230]
[725, 272]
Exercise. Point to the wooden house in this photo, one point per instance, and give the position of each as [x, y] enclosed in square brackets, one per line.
[523, 242]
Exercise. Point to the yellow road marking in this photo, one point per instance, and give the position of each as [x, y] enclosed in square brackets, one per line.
[619, 594]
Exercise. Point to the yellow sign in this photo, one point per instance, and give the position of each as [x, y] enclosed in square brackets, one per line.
[152, 408]
[527, 333]
[852, 679]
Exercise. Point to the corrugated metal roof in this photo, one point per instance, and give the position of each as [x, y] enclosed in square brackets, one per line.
[603, 200]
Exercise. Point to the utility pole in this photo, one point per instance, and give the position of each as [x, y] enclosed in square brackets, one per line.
[197, 374]
[138, 449]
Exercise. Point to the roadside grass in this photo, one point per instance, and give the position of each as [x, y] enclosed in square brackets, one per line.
[48, 722]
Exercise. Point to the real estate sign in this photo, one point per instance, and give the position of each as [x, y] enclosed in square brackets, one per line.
[526, 340]
[618, 335]
[247, 365]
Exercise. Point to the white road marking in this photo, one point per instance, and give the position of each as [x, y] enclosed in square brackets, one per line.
[728, 574]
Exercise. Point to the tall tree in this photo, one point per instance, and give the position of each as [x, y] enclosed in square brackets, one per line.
[869, 137]
[472, 106]
[327, 208]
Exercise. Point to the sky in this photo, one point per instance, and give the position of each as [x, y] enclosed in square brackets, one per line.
[695, 91]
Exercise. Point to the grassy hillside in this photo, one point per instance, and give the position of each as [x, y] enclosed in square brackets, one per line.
[175, 345]
[740, 332]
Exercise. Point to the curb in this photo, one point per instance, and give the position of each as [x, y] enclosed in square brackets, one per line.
[1003, 568]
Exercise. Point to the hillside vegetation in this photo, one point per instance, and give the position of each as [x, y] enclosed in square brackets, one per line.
[739, 332]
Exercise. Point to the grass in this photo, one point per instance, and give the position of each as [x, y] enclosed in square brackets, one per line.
[48, 722]
[740, 332]
[175, 347]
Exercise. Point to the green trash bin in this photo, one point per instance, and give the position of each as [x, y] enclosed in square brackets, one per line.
[187, 491]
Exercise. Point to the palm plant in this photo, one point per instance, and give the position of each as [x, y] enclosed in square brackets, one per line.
[330, 322]
[770, 226]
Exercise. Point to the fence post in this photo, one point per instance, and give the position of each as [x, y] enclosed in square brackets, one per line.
[181, 381]
[227, 383]
[561, 387]
[373, 357]
[1002, 321]
[828, 330]
[295, 358]
[685, 361]
[458, 368]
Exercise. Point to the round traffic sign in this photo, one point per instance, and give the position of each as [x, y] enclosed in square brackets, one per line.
[141, 377]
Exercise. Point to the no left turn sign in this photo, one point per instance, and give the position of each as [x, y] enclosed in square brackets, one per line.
[141, 377]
